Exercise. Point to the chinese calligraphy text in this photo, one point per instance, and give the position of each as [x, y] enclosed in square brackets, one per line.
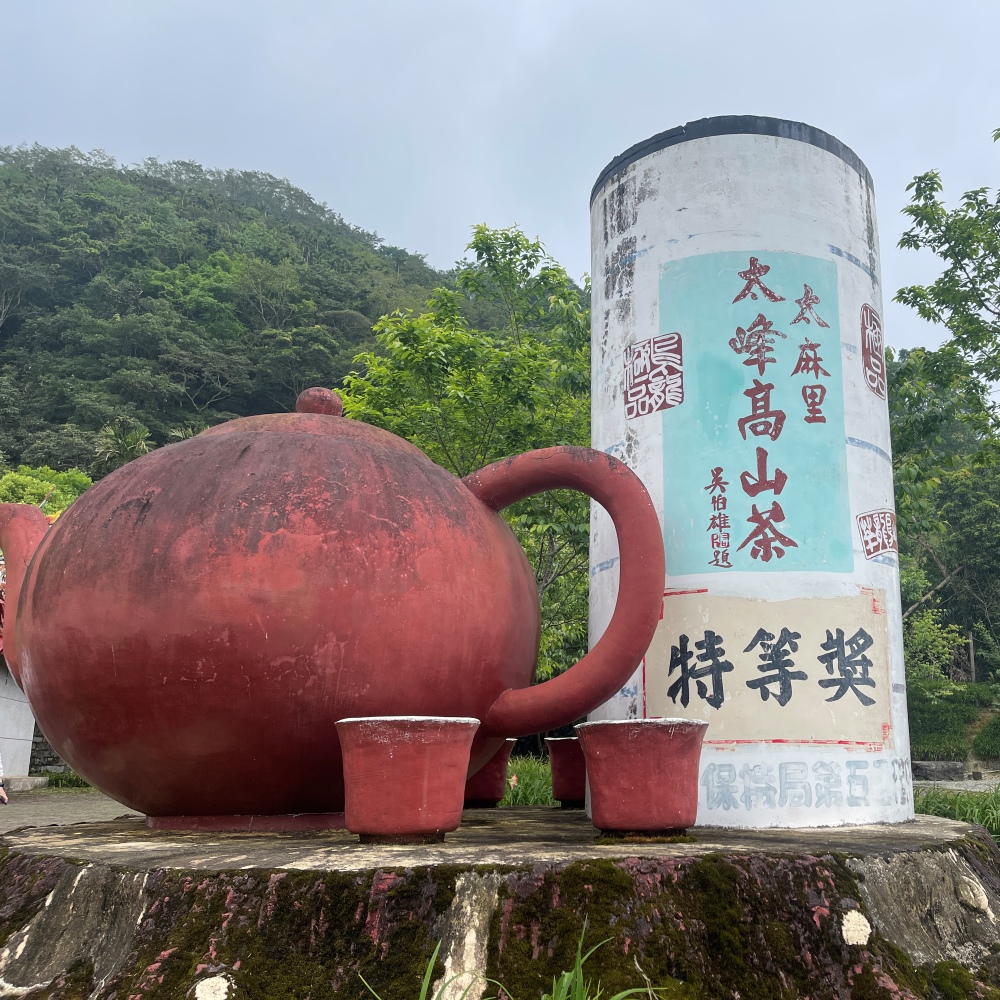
[873, 350]
[654, 375]
[878, 532]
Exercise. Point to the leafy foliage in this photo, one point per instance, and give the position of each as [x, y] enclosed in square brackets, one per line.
[167, 296]
[945, 437]
[470, 396]
[57, 490]
[930, 646]
[941, 417]
[572, 985]
[121, 441]
[66, 779]
[941, 714]
[529, 782]
[966, 297]
[986, 743]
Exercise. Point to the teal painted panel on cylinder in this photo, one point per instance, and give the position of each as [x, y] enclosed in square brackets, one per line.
[762, 420]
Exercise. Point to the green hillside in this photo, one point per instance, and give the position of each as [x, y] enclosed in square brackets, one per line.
[174, 295]
[948, 721]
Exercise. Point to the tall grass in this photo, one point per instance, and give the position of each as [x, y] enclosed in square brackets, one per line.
[969, 807]
[568, 986]
[572, 985]
[529, 782]
[66, 779]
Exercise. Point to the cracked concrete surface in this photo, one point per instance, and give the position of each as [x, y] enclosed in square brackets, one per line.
[504, 837]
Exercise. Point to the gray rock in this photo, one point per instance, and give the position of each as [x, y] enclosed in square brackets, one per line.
[938, 770]
[93, 912]
[931, 904]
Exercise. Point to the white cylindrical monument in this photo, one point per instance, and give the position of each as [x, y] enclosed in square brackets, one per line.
[738, 368]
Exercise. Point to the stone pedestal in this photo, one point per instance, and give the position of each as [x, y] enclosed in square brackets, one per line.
[115, 909]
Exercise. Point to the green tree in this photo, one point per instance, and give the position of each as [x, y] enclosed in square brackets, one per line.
[121, 441]
[930, 645]
[941, 418]
[966, 297]
[470, 396]
[54, 491]
[945, 435]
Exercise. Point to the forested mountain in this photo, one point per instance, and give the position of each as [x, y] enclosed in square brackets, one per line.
[174, 296]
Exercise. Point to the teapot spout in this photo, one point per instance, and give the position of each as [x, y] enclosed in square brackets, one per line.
[21, 529]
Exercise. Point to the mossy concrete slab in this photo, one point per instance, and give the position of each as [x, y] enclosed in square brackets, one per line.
[114, 910]
[528, 836]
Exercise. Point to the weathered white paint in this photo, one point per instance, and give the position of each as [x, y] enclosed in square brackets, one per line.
[855, 928]
[213, 988]
[769, 196]
[465, 938]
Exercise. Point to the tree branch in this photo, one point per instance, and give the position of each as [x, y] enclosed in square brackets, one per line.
[931, 592]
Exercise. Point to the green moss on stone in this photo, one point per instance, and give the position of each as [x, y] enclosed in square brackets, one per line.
[953, 982]
[712, 927]
[756, 926]
[906, 975]
[866, 986]
[295, 935]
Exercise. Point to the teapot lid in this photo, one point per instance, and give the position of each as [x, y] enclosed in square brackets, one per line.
[319, 400]
[312, 405]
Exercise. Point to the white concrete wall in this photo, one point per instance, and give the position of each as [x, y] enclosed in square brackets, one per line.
[666, 235]
[17, 725]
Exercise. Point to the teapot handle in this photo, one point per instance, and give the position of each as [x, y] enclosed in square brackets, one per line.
[608, 666]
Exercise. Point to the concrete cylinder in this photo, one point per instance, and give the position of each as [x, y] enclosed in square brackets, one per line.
[739, 369]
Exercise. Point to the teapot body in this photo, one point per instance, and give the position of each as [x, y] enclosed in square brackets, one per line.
[195, 624]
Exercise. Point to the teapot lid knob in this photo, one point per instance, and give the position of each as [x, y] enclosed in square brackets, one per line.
[319, 400]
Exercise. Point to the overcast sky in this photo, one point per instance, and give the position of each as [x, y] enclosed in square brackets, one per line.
[417, 119]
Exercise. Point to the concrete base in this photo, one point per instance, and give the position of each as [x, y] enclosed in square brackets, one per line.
[116, 909]
[25, 782]
[292, 823]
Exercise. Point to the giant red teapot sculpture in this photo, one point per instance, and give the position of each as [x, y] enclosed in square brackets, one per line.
[190, 630]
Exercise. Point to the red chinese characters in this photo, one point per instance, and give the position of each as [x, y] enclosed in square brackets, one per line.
[719, 523]
[813, 396]
[811, 364]
[654, 375]
[752, 276]
[807, 308]
[878, 532]
[809, 361]
[762, 419]
[873, 350]
[752, 485]
[757, 341]
[766, 538]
